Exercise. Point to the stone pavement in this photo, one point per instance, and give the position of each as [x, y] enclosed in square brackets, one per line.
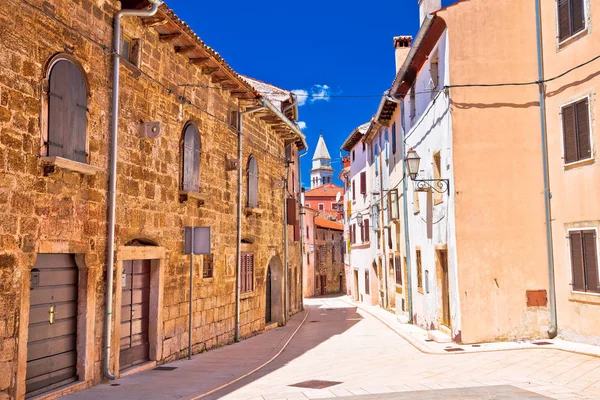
[355, 355]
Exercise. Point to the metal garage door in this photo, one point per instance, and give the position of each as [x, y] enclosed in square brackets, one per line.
[135, 303]
[51, 345]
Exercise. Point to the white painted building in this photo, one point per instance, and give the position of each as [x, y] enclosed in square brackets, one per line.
[359, 220]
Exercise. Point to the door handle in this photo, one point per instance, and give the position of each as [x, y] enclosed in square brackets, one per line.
[51, 314]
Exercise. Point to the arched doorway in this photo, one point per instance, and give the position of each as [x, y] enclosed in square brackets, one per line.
[274, 291]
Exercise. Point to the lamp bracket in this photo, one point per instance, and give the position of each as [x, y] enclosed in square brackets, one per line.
[438, 185]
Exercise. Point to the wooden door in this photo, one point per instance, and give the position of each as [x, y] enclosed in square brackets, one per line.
[51, 344]
[355, 285]
[135, 286]
[443, 257]
[323, 285]
[268, 296]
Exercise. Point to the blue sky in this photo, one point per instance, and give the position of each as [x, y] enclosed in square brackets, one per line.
[332, 47]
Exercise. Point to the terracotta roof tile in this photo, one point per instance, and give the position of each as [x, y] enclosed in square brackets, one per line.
[325, 223]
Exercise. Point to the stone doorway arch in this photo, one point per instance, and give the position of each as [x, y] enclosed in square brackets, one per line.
[274, 291]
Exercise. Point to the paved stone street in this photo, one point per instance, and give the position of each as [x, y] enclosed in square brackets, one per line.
[361, 358]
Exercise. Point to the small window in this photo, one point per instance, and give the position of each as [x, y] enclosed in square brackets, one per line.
[308, 258]
[307, 232]
[252, 183]
[247, 273]
[191, 159]
[419, 272]
[367, 284]
[353, 189]
[413, 102]
[398, 269]
[130, 50]
[435, 75]
[571, 18]
[308, 205]
[233, 120]
[332, 253]
[364, 147]
[366, 230]
[576, 131]
[394, 138]
[584, 261]
[321, 206]
[353, 155]
[67, 113]
[207, 268]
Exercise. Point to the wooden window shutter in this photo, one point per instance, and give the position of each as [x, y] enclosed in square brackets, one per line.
[252, 183]
[363, 182]
[291, 211]
[564, 19]
[577, 265]
[389, 236]
[353, 189]
[583, 130]
[67, 112]
[243, 273]
[250, 272]
[590, 261]
[296, 231]
[362, 233]
[394, 138]
[191, 159]
[569, 134]
[577, 15]
[398, 268]
[367, 231]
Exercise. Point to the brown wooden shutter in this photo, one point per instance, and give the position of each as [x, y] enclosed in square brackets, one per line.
[250, 284]
[583, 130]
[578, 16]
[590, 261]
[569, 134]
[67, 107]
[577, 265]
[296, 231]
[367, 231]
[362, 233]
[353, 190]
[191, 159]
[252, 183]
[564, 19]
[363, 182]
[243, 273]
[389, 235]
[398, 268]
[291, 211]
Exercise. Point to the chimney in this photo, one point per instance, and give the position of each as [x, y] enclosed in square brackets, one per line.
[427, 7]
[402, 45]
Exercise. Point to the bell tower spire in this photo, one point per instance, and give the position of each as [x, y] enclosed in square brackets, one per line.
[321, 172]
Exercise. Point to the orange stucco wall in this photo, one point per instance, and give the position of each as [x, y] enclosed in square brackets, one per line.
[575, 189]
[498, 181]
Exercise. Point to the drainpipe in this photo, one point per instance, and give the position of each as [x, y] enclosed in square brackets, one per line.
[112, 188]
[238, 247]
[405, 210]
[553, 330]
[285, 263]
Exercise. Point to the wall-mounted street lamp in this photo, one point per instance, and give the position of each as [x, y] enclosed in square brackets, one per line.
[359, 219]
[412, 166]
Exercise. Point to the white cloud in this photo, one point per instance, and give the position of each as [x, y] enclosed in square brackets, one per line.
[320, 92]
[314, 94]
[301, 124]
[302, 96]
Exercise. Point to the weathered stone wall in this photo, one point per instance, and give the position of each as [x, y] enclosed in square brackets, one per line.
[65, 212]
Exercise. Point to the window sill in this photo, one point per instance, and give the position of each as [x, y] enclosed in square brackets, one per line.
[572, 39]
[208, 278]
[50, 164]
[185, 195]
[256, 211]
[247, 295]
[580, 163]
[585, 297]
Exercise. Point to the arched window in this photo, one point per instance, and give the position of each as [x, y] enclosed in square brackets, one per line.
[252, 183]
[67, 112]
[191, 159]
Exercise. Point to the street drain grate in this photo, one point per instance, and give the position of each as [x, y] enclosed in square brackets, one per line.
[164, 368]
[475, 345]
[542, 343]
[454, 349]
[315, 384]
[115, 384]
[429, 340]
[314, 321]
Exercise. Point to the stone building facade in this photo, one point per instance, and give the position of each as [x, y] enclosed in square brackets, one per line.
[53, 195]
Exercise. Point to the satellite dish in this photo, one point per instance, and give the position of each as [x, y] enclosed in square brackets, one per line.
[337, 197]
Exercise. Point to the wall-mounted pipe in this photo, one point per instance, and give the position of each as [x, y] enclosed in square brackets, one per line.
[302, 245]
[112, 187]
[553, 330]
[238, 247]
